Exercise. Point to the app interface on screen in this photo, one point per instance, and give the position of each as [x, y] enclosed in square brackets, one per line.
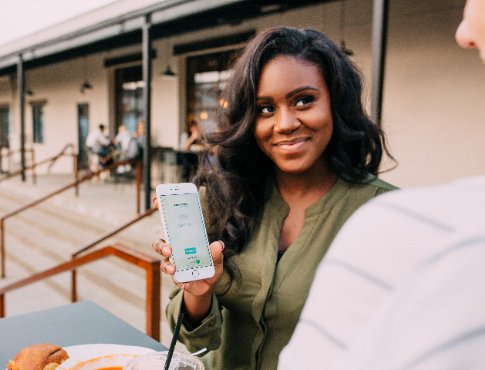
[186, 231]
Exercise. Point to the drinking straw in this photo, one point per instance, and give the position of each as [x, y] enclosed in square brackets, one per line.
[174, 338]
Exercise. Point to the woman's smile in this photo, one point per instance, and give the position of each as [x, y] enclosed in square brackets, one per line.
[293, 145]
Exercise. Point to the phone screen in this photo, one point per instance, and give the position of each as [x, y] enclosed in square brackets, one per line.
[186, 231]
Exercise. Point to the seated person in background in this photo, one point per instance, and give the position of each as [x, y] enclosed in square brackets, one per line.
[98, 144]
[402, 286]
[296, 155]
[140, 137]
[122, 140]
[195, 139]
[128, 148]
[192, 144]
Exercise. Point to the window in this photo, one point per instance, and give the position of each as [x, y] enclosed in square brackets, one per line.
[38, 123]
[132, 101]
[206, 76]
[4, 126]
[129, 92]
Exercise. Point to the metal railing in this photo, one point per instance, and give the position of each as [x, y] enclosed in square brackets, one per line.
[6, 152]
[111, 233]
[56, 192]
[34, 165]
[150, 264]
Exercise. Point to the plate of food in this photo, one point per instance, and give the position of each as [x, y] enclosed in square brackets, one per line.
[80, 357]
[99, 356]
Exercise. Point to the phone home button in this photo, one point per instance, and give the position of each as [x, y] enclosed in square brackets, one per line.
[195, 273]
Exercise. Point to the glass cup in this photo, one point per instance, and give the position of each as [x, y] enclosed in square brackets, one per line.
[156, 361]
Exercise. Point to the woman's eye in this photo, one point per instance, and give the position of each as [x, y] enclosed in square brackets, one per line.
[304, 100]
[265, 109]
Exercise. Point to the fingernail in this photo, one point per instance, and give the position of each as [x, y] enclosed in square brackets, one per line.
[166, 250]
[222, 244]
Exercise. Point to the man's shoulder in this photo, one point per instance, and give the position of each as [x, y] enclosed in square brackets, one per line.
[464, 188]
[454, 203]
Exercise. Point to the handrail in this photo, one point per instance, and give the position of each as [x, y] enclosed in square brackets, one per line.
[109, 234]
[61, 153]
[10, 153]
[50, 160]
[58, 191]
[150, 264]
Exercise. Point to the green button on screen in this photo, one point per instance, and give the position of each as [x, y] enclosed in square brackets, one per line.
[190, 250]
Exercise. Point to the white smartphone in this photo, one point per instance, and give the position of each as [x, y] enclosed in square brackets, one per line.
[184, 229]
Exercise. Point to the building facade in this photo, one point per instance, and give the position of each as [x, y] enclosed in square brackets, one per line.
[433, 106]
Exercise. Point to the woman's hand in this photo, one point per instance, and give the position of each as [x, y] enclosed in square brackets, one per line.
[198, 287]
[197, 294]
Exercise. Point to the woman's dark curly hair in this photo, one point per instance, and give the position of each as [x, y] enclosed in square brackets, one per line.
[234, 187]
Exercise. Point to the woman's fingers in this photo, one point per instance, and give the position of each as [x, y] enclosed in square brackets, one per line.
[155, 201]
[160, 246]
[168, 267]
[217, 248]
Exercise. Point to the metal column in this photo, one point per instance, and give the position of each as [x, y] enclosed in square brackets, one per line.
[21, 110]
[379, 44]
[147, 78]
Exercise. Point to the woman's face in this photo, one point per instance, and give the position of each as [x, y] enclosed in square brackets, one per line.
[294, 122]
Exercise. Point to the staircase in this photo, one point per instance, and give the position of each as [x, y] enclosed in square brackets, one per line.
[47, 234]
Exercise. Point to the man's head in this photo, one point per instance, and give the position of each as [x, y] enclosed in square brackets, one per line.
[471, 32]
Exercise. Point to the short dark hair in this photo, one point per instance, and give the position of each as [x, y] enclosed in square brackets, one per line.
[234, 187]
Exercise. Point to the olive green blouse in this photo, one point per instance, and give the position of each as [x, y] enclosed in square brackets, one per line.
[258, 299]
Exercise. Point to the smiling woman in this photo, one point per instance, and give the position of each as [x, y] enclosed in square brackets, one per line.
[294, 123]
[294, 155]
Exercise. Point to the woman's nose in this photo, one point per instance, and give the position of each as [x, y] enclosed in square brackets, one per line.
[463, 36]
[286, 121]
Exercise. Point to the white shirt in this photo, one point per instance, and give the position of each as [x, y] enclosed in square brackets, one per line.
[96, 140]
[401, 286]
[123, 138]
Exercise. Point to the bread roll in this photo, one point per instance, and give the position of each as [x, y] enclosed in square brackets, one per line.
[43, 356]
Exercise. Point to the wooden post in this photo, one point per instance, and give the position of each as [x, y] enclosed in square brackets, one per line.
[76, 173]
[9, 161]
[74, 285]
[2, 246]
[34, 174]
[153, 302]
[2, 305]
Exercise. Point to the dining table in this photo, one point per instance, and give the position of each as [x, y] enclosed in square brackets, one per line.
[77, 323]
